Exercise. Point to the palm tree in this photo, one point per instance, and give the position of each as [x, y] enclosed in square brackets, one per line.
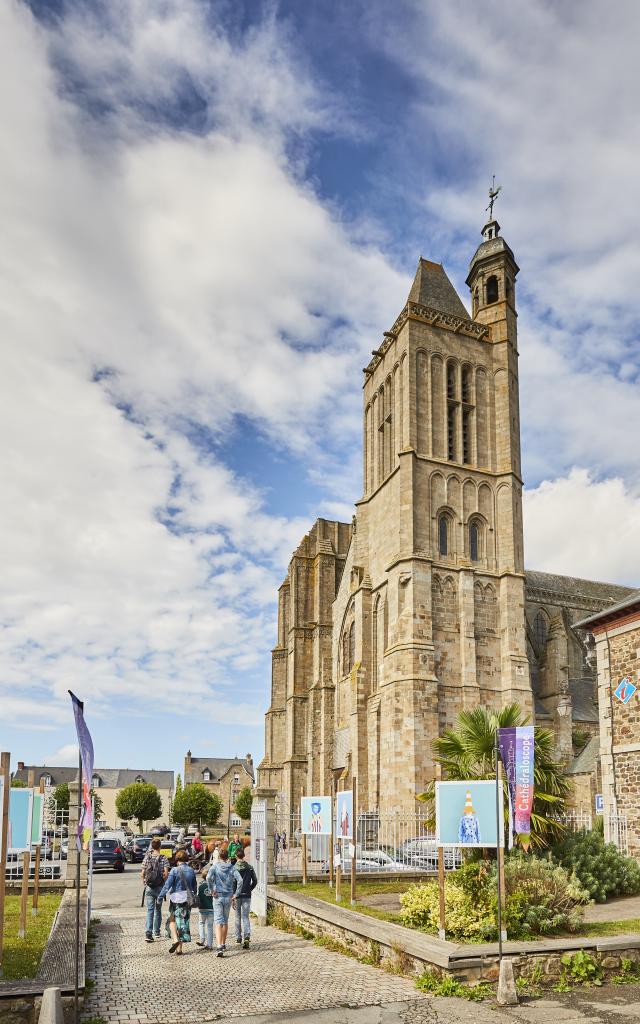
[468, 752]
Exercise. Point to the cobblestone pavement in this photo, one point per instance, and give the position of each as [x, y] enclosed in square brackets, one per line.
[134, 981]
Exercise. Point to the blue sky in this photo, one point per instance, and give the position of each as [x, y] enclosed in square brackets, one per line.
[211, 211]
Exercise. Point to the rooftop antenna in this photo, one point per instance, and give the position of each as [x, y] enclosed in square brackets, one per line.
[493, 195]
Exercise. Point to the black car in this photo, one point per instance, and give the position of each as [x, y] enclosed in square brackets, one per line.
[107, 853]
[136, 849]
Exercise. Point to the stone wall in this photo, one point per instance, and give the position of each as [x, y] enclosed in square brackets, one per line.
[618, 656]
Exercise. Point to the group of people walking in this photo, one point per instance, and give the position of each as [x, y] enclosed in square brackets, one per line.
[226, 883]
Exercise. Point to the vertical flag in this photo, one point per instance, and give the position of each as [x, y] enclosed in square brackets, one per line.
[517, 753]
[85, 744]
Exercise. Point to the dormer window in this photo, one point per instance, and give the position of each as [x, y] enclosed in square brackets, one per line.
[46, 779]
[96, 781]
[139, 778]
[236, 777]
[206, 775]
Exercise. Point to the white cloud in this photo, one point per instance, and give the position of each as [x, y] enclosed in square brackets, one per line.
[66, 755]
[155, 283]
[581, 526]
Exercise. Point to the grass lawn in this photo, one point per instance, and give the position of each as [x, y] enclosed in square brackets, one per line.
[21, 957]
[323, 891]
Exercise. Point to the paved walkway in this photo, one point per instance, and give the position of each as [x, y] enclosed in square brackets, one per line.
[136, 982]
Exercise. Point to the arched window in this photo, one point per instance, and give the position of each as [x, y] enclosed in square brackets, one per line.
[540, 630]
[96, 781]
[474, 546]
[476, 298]
[443, 536]
[466, 384]
[492, 288]
[352, 646]
[451, 380]
[345, 652]
[46, 779]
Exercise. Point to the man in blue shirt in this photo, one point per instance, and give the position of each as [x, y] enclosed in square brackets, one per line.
[221, 884]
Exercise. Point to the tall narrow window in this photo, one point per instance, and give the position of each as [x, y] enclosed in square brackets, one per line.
[473, 542]
[451, 432]
[541, 630]
[466, 435]
[451, 380]
[352, 646]
[345, 653]
[466, 384]
[443, 546]
[492, 289]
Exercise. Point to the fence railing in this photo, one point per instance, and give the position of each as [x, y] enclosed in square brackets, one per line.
[385, 843]
[54, 849]
[395, 843]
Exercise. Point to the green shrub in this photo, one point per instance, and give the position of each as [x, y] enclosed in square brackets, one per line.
[583, 968]
[541, 899]
[598, 866]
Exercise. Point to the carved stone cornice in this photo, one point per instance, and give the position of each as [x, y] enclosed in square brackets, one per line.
[427, 315]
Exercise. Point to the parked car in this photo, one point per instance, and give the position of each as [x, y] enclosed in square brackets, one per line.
[136, 849]
[168, 848]
[159, 830]
[108, 853]
[192, 829]
[114, 833]
[422, 853]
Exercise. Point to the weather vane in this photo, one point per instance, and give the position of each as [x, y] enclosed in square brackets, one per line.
[493, 195]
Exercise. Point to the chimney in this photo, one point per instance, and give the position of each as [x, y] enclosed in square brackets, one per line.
[20, 766]
[249, 759]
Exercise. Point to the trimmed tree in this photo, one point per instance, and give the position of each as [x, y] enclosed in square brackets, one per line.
[17, 784]
[60, 800]
[140, 801]
[195, 804]
[243, 803]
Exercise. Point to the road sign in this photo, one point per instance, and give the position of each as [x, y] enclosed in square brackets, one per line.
[599, 803]
[625, 690]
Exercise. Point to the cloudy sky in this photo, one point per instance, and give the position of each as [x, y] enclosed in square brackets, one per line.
[209, 213]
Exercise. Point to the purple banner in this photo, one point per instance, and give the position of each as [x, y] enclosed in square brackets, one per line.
[507, 742]
[516, 752]
[524, 780]
[85, 744]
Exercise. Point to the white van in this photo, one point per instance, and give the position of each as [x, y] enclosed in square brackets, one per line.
[112, 833]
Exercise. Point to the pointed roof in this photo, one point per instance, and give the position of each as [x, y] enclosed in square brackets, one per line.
[431, 287]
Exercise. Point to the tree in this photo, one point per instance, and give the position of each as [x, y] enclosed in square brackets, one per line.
[468, 752]
[195, 803]
[243, 803]
[60, 796]
[141, 801]
[17, 784]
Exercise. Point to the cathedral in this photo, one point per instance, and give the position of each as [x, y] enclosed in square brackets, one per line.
[390, 625]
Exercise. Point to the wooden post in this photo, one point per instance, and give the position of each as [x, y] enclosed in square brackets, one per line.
[441, 877]
[503, 935]
[5, 765]
[354, 829]
[36, 871]
[339, 877]
[24, 894]
[332, 840]
[304, 858]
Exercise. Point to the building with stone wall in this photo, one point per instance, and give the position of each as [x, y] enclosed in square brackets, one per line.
[107, 783]
[225, 777]
[616, 631]
[421, 607]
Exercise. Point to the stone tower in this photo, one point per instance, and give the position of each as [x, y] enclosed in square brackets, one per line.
[390, 627]
[429, 617]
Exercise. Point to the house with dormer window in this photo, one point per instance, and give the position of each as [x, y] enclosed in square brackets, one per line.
[225, 777]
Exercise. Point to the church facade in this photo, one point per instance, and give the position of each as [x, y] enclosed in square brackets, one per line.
[421, 607]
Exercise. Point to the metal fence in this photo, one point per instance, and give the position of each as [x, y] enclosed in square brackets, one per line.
[394, 843]
[53, 852]
[386, 843]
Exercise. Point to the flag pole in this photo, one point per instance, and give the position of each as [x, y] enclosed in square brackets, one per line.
[498, 837]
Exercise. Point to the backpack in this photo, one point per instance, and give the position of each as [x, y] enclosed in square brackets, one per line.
[192, 900]
[154, 872]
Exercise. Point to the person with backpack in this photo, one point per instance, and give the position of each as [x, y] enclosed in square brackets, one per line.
[154, 870]
[245, 881]
[221, 884]
[181, 888]
[205, 913]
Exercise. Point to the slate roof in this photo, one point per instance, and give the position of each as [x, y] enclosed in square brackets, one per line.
[572, 590]
[111, 778]
[583, 700]
[611, 611]
[218, 766]
[587, 759]
[431, 287]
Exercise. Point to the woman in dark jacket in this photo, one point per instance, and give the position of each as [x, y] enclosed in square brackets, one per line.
[181, 881]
